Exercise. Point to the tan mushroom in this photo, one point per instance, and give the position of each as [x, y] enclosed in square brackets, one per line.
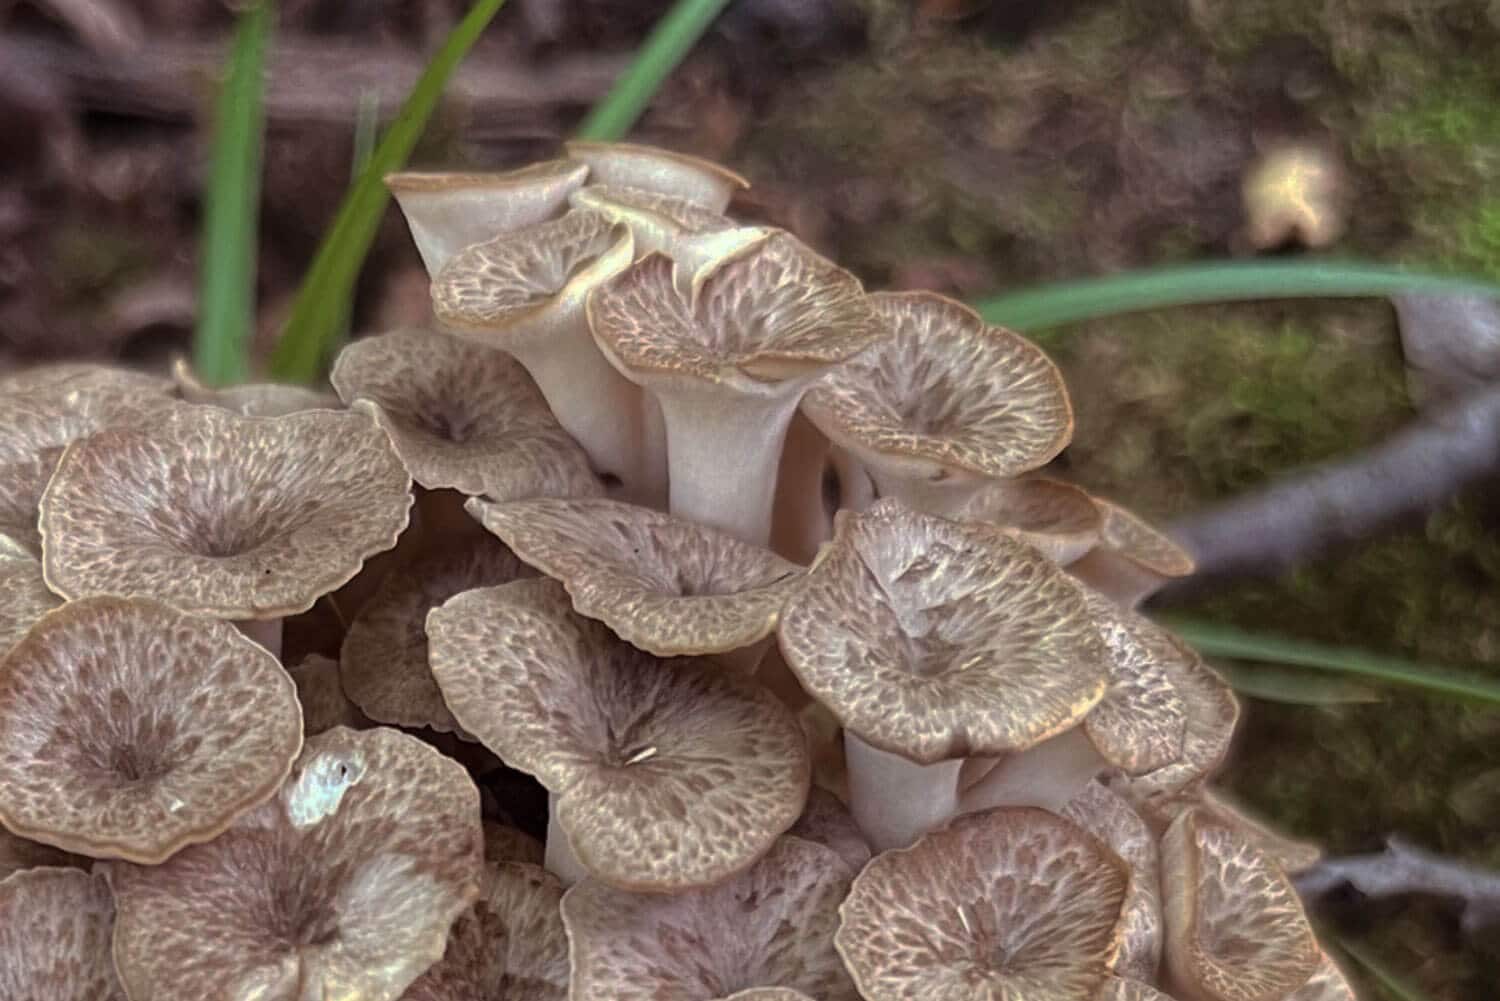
[129, 729]
[463, 416]
[450, 211]
[384, 659]
[1235, 927]
[324, 704]
[933, 641]
[241, 518]
[1124, 989]
[511, 946]
[826, 821]
[944, 405]
[1132, 560]
[1326, 984]
[728, 361]
[1007, 904]
[650, 169]
[24, 597]
[683, 230]
[344, 885]
[1058, 518]
[524, 293]
[55, 929]
[18, 853]
[667, 585]
[665, 774]
[1292, 854]
[263, 399]
[503, 843]
[1108, 817]
[1212, 711]
[765, 934]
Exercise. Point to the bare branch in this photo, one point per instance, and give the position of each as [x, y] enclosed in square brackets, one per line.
[1403, 868]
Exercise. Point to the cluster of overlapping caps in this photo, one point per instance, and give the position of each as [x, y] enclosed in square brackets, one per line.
[922, 748]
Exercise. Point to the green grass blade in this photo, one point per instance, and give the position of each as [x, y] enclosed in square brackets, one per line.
[1290, 686]
[1225, 641]
[366, 129]
[1393, 986]
[1230, 281]
[671, 40]
[231, 203]
[322, 301]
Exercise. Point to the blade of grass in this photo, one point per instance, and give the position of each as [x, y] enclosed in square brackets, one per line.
[366, 127]
[671, 40]
[1053, 305]
[1393, 986]
[1293, 687]
[226, 294]
[322, 300]
[1215, 640]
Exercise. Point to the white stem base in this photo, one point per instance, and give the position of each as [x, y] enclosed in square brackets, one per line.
[266, 632]
[1046, 776]
[856, 489]
[800, 521]
[559, 858]
[895, 801]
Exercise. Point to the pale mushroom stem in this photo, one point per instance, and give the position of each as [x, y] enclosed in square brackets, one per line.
[723, 451]
[800, 522]
[559, 858]
[944, 498]
[266, 632]
[856, 489]
[1116, 577]
[1046, 776]
[896, 801]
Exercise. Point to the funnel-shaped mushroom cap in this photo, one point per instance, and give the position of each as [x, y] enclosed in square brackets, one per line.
[24, 598]
[689, 234]
[651, 169]
[128, 729]
[448, 212]
[1003, 905]
[667, 585]
[935, 639]
[1212, 711]
[260, 399]
[763, 935]
[1108, 817]
[345, 885]
[233, 517]
[943, 396]
[1326, 984]
[55, 929]
[511, 946]
[669, 774]
[1122, 989]
[827, 821]
[1132, 559]
[17, 853]
[1235, 927]
[1141, 723]
[1058, 518]
[1292, 854]
[28, 380]
[324, 704]
[384, 660]
[463, 416]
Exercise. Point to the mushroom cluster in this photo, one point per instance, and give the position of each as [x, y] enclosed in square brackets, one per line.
[676, 621]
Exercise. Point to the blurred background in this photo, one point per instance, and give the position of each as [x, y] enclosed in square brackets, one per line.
[969, 146]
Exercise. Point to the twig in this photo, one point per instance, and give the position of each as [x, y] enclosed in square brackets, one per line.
[1412, 472]
[1403, 868]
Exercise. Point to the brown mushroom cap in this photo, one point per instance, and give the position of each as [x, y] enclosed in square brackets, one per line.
[1235, 927]
[1141, 723]
[463, 416]
[55, 929]
[1006, 904]
[1326, 984]
[130, 729]
[261, 399]
[670, 586]
[24, 598]
[685, 231]
[1212, 711]
[934, 639]
[346, 884]
[1132, 559]
[652, 169]
[943, 393]
[764, 934]
[234, 517]
[384, 659]
[324, 704]
[1108, 817]
[668, 774]
[1122, 989]
[1058, 518]
[18, 853]
[1292, 854]
[511, 946]
[827, 821]
[507, 844]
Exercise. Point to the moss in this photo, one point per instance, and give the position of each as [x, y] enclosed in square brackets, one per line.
[89, 263]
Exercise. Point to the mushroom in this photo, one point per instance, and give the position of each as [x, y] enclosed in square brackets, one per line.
[1212, 711]
[669, 586]
[462, 416]
[511, 946]
[241, 518]
[1235, 927]
[130, 730]
[18, 853]
[384, 659]
[665, 774]
[503, 843]
[1132, 560]
[933, 641]
[1326, 984]
[765, 934]
[524, 294]
[450, 211]
[324, 704]
[681, 229]
[944, 405]
[1008, 903]
[728, 361]
[264, 399]
[344, 885]
[1108, 817]
[24, 597]
[1292, 854]
[658, 170]
[55, 937]
[1124, 989]
[1058, 518]
[826, 821]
